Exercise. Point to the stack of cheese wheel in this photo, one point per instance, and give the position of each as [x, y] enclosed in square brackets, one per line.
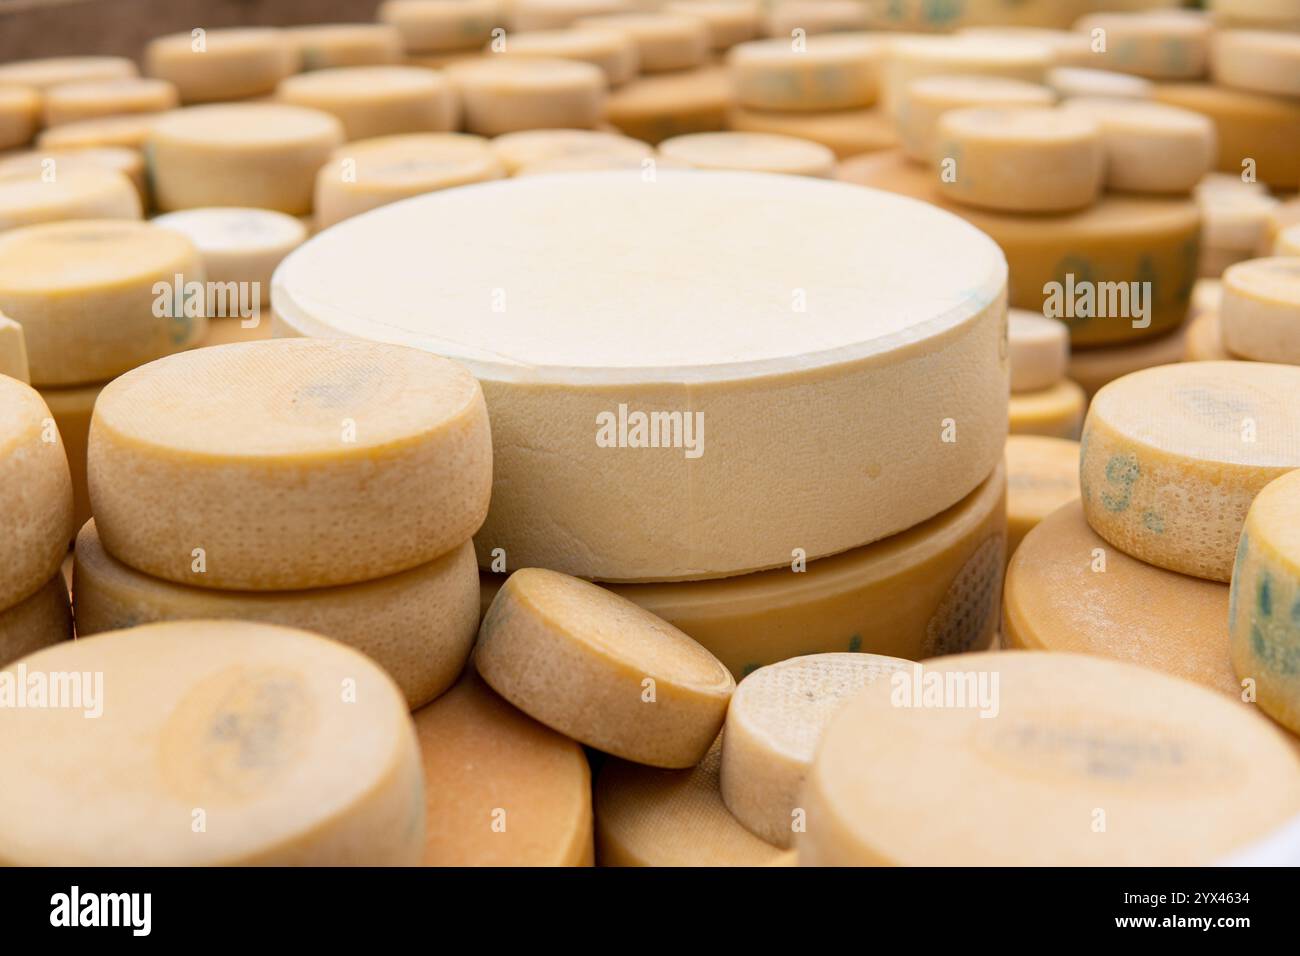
[435, 33]
[1235, 221]
[1253, 314]
[1042, 475]
[1043, 400]
[332, 486]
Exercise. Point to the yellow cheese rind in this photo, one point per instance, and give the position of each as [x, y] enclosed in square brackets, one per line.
[1260, 310]
[500, 789]
[665, 41]
[774, 722]
[750, 152]
[75, 102]
[1088, 762]
[1093, 368]
[729, 22]
[440, 27]
[654, 108]
[1257, 61]
[1040, 349]
[13, 351]
[1056, 412]
[290, 463]
[39, 620]
[53, 71]
[20, 115]
[71, 409]
[1150, 147]
[1174, 455]
[534, 146]
[210, 65]
[600, 669]
[324, 46]
[1042, 475]
[826, 72]
[70, 191]
[1160, 45]
[130, 131]
[925, 100]
[218, 743]
[613, 51]
[505, 94]
[376, 100]
[845, 132]
[40, 165]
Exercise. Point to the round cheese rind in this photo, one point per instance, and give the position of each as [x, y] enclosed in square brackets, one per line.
[71, 409]
[1150, 147]
[70, 191]
[1264, 612]
[94, 99]
[1021, 159]
[1075, 81]
[925, 100]
[211, 65]
[910, 58]
[557, 14]
[20, 115]
[502, 95]
[845, 132]
[665, 41]
[750, 152]
[418, 625]
[1205, 339]
[1160, 45]
[45, 165]
[130, 131]
[655, 108]
[1258, 61]
[613, 51]
[500, 789]
[1056, 412]
[896, 353]
[288, 464]
[651, 817]
[288, 748]
[827, 72]
[774, 721]
[1095, 367]
[376, 100]
[814, 17]
[1042, 475]
[1174, 455]
[1260, 310]
[324, 46]
[729, 22]
[600, 669]
[534, 146]
[1040, 349]
[52, 71]
[439, 27]
[39, 620]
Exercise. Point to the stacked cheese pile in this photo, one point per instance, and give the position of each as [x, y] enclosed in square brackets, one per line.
[1255, 314]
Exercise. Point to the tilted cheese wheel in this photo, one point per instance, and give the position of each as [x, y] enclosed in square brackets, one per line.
[290, 749]
[107, 315]
[72, 191]
[212, 65]
[665, 41]
[729, 21]
[613, 51]
[504, 94]
[13, 351]
[324, 46]
[774, 721]
[1160, 45]
[1150, 147]
[1022, 159]
[376, 100]
[1173, 457]
[71, 409]
[556, 14]
[529, 147]
[37, 621]
[1257, 61]
[600, 669]
[446, 25]
[814, 16]
[904, 356]
[1042, 475]
[20, 115]
[655, 108]
[1056, 411]
[130, 131]
[751, 152]
[374, 172]
[1264, 613]
[1261, 310]
[1072, 81]
[52, 71]
[1205, 339]
[844, 132]
[500, 789]
[925, 100]
[826, 72]
[1095, 367]
[1040, 349]
[910, 58]
[651, 817]
[73, 102]
[288, 464]
[1088, 762]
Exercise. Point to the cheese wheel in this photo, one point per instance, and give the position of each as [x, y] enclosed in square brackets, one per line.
[844, 132]
[1077, 81]
[1042, 475]
[950, 567]
[446, 25]
[20, 115]
[1264, 129]
[828, 72]
[37, 621]
[664, 41]
[1288, 242]
[13, 351]
[615, 52]
[814, 16]
[501, 95]
[1264, 613]
[883, 367]
[71, 409]
[53, 71]
[1021, 159]
[93, 99]
[1281, 218]
[1205, 339]
[1150, 147]
[651, 817]
[1040, 349]
[1056, 411]
[70, 191]
[1089, 762]
[1258, 61]
[130, 131]
[324, 46]
[655, 108]
[600, 669]
[1173, 457]
[647, 165]
[774, 721]
[225, 331]
[288, 464]
[1160, 45]
[374, 172]
[224, 742]
[1000, 17]
[43, 165]
[500, 789]
[1234, 222]
[376, 100]
[1093, 368]
[1207, 296]
[1260, 312]
[751, 152]
[211, 65]
[910, 58]
[418, 625]
[925, 100]
[1070, 49]
[1120, 240]
[530, 147]
[556, 14]
[728, 21]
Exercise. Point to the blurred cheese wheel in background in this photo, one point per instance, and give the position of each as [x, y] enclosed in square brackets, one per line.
[76, 192]
[614, 51]
[377, 100]
[1042, 475]
[655, 108]
[910, 58]
[71, 409]
[1071, 81]
[46, 164]
[210, 65]
[446, 25]
[728, 21]
[1040, 349]
[73, 102]
[1260, 310]
[1288, 242]
[826, 72]
[1257, 61]
[530, 147]
[664, 41]
[322, 46]
[39, 620]
[1069, 47]
[814, 16]
[502, 95]
[750, 152]
[13, 351]
[557, 14]
[131, 131]
[1150, 147]
[925, 100]
[844, 132]
[20, 115]
[1056, 411]
[1205, 339]
[1160, 45]
[1094, 367]
[53, 71]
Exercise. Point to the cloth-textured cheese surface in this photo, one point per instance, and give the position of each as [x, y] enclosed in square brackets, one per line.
[418, 625]
[1086, 761]
[1174, 455]
[500, 789]
[228, 65]
[602, 670]
[1042, 475]
[751, 152]
[39, 620]
[288, 748]
[827, 72]
[1260, 310]
[782, 363]
[774, 722]
[79, 191]
[1040, 349]
[376, 100]
[288, 464]
[1056, 411]
[533, 146]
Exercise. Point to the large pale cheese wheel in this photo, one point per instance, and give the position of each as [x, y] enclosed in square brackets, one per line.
[1121, 239]
[910, 58]
[418, 625]
[500, 789]
[533, 146]
[611, 50]
[243, 154]
[53, 71]
[655, 108]
[895, 378]
[65, 191]
[844, 132]
[1264, 613]
[557, 14]
[71, 409]
[950, 567]
[377, 100]
[1174, 455]
[220, 742]
[374, 172]
[211, 65]
[1095, 367]
[13, 351]
[1260, 310]
[1088, 762]
[1073, 81]
[1019, 159]
[20, 115]
[504, 94]
[130, 131]
[651, 817]
[814, 16]
[39, 620]
[1039, 349]
[925, 100]
[1258, 61]
[324, 46]
[751, 152]
[1042, 475]
[774, 722]
[1150, 147]
[1161, 45]
[665, 41]
[73, 102]
[442, 26]
[600, 669]
[1205, 339]
[1056, 412]
[728, 21]
[290, 464]
[98, 297]
[826, 72]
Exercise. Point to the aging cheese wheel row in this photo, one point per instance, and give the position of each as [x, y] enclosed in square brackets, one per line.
[1095, 367]
[1205, 339]
[20, 115]
[504, 94]
[614, 51]
[1042, 475]
[53, 71]
[827, 72]
[531, 147]
[1258, 60]
[911, 58]
[71, 409]
[1260, 310]
[440, 27]
[210, 65]
[729, 22]
[1160, 45]
[1150, 147]
[665, 41]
